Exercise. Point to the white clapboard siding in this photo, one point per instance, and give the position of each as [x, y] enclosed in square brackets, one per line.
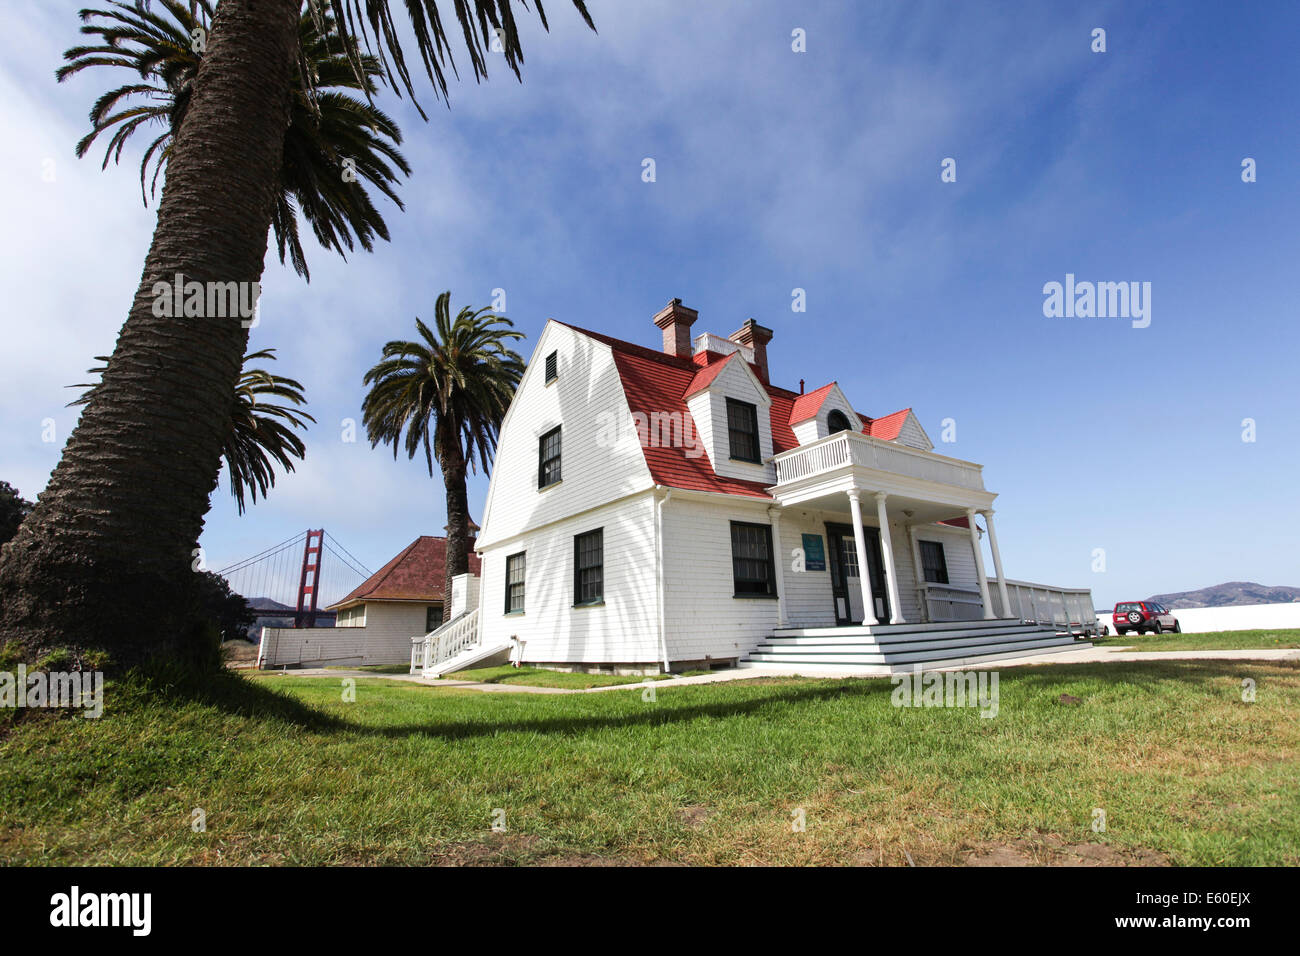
[702, 617]
[623, 630]
[809, 601]
[913, 435]
[385, 639]
[601, 457]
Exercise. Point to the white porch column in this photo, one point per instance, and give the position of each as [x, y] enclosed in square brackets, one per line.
[997, 563]
[979, 566]
[774, 513]
[864, 570]
[887, 546]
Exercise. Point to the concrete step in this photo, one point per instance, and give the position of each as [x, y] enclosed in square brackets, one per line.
[908, 641]
[887, 629]
[921, 655]
[784, 666]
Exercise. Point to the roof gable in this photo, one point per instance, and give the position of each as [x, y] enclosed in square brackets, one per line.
[657, 384]
[416, 573]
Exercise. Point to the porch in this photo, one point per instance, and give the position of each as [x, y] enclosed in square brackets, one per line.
[909, 517]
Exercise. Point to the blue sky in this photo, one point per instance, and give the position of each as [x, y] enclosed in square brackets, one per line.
[778, 170]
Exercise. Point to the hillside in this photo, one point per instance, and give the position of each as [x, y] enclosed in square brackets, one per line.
[1227, 595]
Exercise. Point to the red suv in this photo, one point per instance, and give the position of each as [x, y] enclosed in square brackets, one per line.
[1143, 616]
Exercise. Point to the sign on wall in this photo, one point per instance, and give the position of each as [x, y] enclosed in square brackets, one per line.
[814, 553]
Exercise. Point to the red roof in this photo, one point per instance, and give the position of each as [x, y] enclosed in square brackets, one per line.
[705, 376]
[888, 427]
[806, 406]
[656, 383]
[416, 574]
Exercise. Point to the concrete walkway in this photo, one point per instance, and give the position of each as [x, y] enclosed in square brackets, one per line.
[1083, 655]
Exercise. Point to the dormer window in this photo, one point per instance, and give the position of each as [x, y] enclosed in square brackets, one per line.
[742, 430]
[837, 421]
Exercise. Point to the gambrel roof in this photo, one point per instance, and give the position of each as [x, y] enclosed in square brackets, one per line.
[656, 383]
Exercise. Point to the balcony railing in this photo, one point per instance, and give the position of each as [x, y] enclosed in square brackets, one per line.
[850, 448]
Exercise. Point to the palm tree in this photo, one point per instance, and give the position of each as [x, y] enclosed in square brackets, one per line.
[446, 393]
[103, 561]
[326, 126]
[260, 433]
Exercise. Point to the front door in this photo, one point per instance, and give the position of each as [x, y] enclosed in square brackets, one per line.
[846, 584]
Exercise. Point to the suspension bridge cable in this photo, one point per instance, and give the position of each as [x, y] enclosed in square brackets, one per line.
[238, 565]
[361, 567]
[346, 563]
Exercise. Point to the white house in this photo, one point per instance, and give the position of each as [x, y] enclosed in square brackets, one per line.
[655, 510]
[375, 621]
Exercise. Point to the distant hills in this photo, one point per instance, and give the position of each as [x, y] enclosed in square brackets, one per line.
[1227, 595]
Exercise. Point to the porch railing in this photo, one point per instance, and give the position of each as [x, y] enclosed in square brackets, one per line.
[944, 602]
[1069, 610]
[444, 643]
[850, 448]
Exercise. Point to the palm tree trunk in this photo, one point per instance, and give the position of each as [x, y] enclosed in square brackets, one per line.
[105, 560]
[451, 461]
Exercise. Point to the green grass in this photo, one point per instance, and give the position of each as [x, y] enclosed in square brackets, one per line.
[1210, 641]
[538, 677]
[287, 772]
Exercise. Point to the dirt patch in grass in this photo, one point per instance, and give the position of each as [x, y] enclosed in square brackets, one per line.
[694, 817]
[523, 849]
[1050, 849]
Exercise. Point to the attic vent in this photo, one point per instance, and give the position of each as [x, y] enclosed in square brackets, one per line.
[552, 368]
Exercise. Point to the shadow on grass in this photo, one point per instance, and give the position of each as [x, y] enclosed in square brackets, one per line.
[246, 698]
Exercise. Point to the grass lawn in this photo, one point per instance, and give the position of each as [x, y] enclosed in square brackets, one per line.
[288, 773]
[1210, 641]
[537, 677]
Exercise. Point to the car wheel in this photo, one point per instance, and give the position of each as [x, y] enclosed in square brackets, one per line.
[1178, 628]
[1134, 617]
[1156, 628]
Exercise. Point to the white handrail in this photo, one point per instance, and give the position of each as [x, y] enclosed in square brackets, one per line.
[445, 642]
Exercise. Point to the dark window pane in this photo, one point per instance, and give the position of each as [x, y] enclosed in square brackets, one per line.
[552, 367]
[934, 566]
[515, 582]
[548, 458]
[742, 429]
[433, 618]
[588, 567]
[751, 558]
[837, 421]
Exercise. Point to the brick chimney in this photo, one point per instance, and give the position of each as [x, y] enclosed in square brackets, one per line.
[676, 321]
[754, 336]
